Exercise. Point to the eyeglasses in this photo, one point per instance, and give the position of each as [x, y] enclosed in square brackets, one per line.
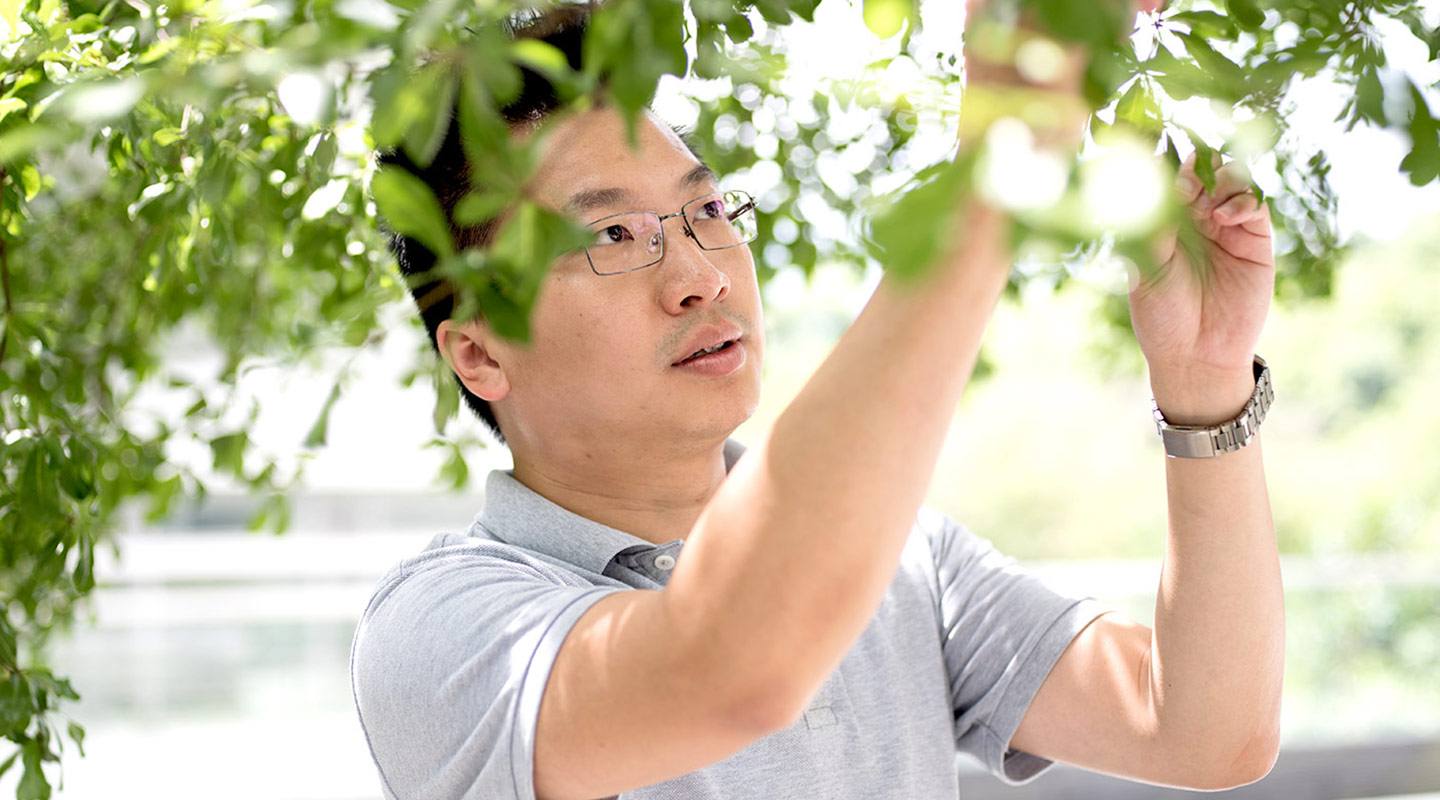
[636, 239]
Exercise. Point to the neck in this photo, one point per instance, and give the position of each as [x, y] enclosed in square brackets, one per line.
[656, 495]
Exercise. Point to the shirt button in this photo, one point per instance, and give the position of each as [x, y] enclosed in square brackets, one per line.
[664, 562]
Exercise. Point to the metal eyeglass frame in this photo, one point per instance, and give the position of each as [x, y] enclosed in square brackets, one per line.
[747, 205]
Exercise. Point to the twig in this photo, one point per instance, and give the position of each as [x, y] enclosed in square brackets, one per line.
[5, 278]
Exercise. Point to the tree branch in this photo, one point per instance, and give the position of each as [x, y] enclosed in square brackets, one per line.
[5, 279]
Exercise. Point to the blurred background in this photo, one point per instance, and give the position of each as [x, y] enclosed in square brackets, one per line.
[213, 661]
[217, 657]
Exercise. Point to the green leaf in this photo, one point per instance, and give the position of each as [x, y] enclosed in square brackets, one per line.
[33, 785]
[1370, 97]
[1205, 159]
[775, 12]
[1423, 161]
[84, 576]
[1207, 24]
[316, 436]
[499, 78]
[275, 511]
[1098, 25]
[477, 207]
[1221, 70]
[508, 316]
[10, 12]
[168, 136]
[30, 180]
[447, 398]
[326, 148]
[1139, 107]
[1245, 13]
[162, 497]
[85, 23]
[533, 237]
[229, 452]
[455, 469]
[7, 654]
[739, 29]
[709, 52]
[907, 237]
[411, 209]
[633, 43]
[77, 735]
[885, 18]
[435, 91]
[17, 707]
[1182, 79]
[542, 57]
[11, 104]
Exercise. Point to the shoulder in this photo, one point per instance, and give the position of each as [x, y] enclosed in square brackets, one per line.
[450, 656]
[472, 562]
[427, 608]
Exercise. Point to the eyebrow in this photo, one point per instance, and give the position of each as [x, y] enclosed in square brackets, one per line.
[592, 199]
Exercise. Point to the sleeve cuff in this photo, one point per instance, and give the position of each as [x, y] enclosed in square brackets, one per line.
[1013, 766]
[532, 690]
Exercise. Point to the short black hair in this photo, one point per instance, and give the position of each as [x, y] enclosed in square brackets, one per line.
[449, 175]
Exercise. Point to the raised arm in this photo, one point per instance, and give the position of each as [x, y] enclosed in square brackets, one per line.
[1196, 701]
[791, 557]
[789, 560]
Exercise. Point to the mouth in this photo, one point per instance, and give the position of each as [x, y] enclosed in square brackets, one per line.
[706, 351]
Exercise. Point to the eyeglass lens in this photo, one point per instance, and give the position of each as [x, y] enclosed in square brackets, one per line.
[631, 241]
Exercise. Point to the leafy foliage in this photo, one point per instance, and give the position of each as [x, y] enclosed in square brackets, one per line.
[202, 169]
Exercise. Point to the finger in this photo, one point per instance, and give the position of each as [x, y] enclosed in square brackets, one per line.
[1230, 179]
[1187, 184]
[1238, 208]
[1259, 223]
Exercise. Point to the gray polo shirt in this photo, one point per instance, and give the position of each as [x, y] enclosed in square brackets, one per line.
[452, 655]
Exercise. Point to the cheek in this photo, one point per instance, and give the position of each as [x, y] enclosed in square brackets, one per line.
[576, 330]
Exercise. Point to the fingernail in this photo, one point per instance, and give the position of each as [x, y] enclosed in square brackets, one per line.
[1187, 184]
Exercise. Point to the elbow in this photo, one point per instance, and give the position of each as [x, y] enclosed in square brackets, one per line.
[775, 705]
[766, 712]
[1230, 770]
[1257, 758]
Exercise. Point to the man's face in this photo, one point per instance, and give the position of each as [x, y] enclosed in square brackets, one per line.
[604, 361]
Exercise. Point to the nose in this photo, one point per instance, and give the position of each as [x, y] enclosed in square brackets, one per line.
[688, 278]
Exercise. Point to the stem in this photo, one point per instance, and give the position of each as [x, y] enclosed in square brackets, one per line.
[5, 280]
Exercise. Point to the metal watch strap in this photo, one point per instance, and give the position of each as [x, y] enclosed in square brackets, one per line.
[1186, 441]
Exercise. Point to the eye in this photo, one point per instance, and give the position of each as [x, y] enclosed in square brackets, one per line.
[712, 209]
[612, 234]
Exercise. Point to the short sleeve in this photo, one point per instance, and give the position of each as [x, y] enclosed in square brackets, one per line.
[448, 666]
[1002, 631]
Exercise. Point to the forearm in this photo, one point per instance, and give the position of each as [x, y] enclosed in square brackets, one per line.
[790, 559]
[1218, 648]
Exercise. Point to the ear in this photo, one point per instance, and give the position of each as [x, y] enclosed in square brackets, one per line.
[471, 350]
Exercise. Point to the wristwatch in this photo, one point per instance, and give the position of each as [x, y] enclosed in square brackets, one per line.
[1193, 441]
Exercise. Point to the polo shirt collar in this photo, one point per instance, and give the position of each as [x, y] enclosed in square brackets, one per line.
[515, 514]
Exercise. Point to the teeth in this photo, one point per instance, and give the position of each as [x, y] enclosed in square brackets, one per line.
[708, 350]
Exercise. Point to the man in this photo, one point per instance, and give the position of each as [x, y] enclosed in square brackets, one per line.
[642, 611]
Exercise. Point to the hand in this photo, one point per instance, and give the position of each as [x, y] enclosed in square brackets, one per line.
[1198, 316]
[1039, 80]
